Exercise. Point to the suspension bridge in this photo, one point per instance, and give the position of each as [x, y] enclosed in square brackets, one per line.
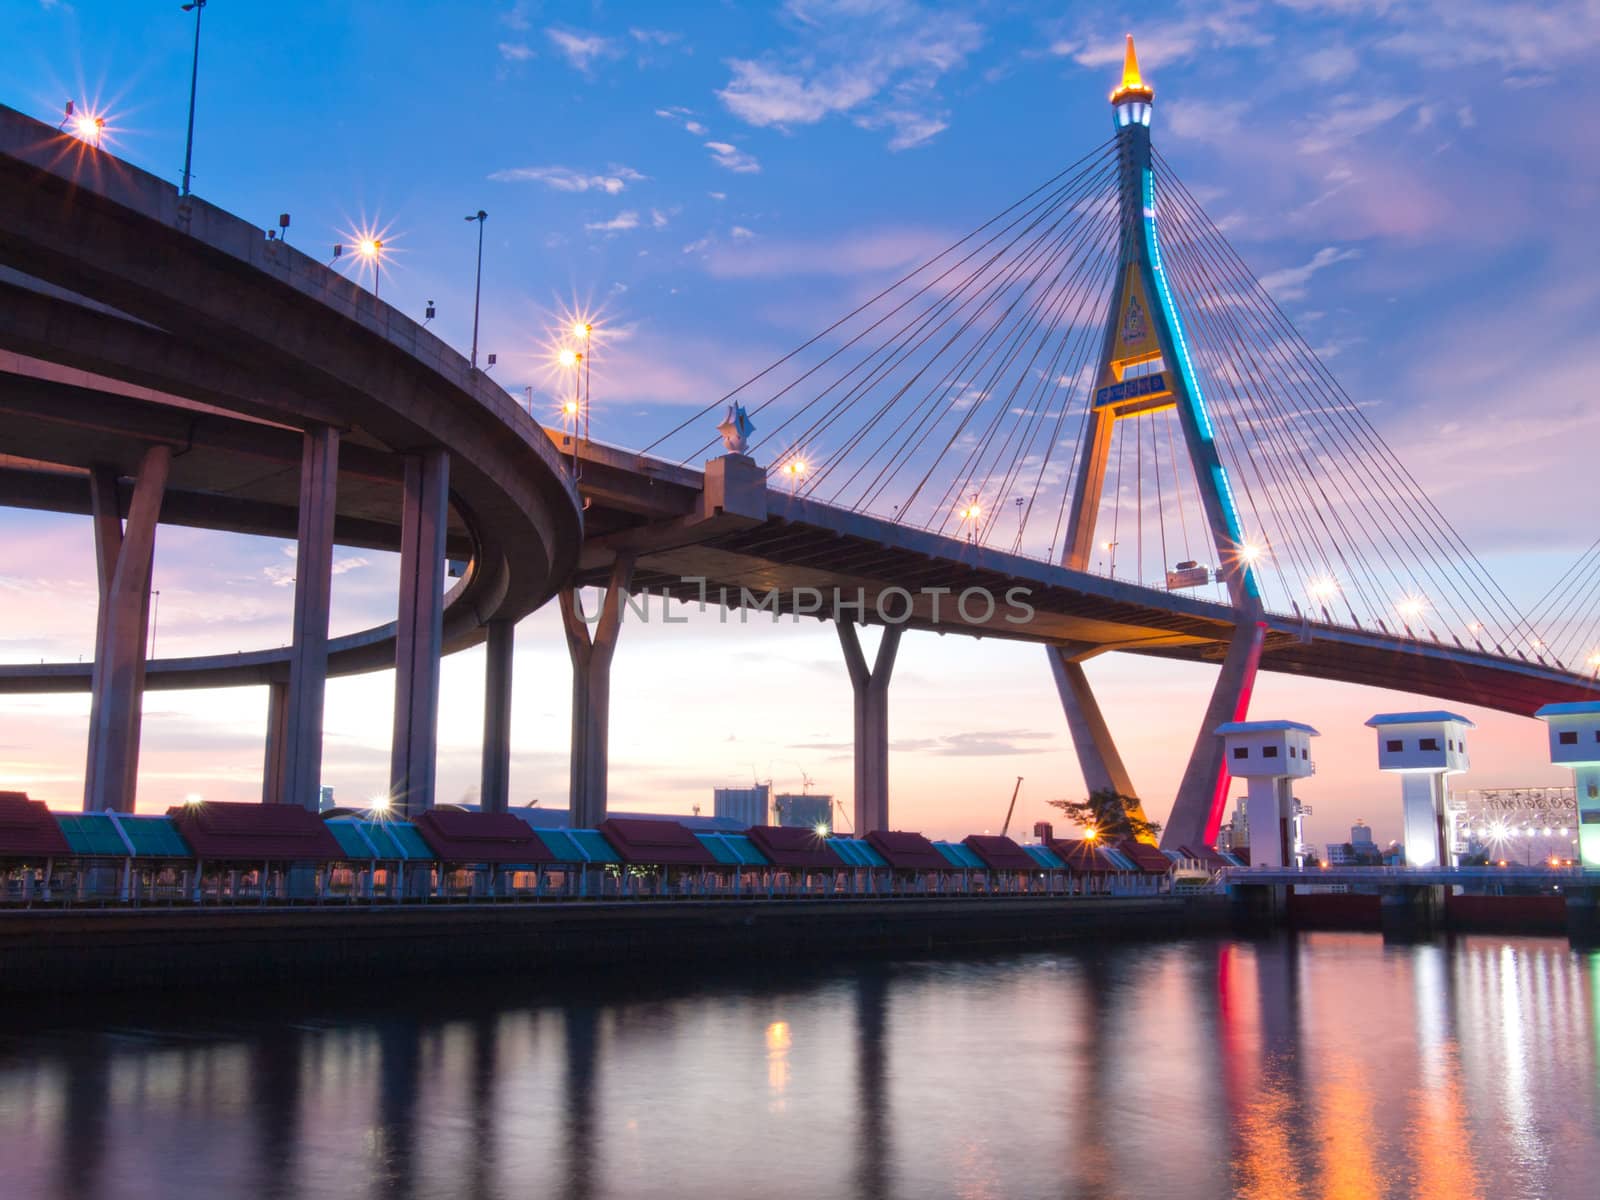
[1088, 405]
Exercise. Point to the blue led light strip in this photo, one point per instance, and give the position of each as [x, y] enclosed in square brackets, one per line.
[1191, 382]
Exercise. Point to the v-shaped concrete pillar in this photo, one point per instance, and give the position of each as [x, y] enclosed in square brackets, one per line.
[1203, 794]
[871, 686]
[591, 692]
[125, 558]
[1091, 738]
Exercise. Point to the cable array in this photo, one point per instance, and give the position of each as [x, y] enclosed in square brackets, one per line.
[1568, 615]
[957, 398]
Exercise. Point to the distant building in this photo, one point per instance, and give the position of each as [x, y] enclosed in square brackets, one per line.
[748, 806]
[1359, 851]
[324, 799]
[1235, 835]
[805, 811]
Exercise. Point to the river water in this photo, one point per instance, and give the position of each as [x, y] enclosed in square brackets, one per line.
[1324, 1065]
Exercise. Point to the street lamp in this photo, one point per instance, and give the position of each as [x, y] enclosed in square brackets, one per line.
[477, 291]
[197, 7]
[371, 249]
[574, 408]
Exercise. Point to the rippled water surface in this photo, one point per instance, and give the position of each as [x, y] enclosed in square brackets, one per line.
[1325, 1066]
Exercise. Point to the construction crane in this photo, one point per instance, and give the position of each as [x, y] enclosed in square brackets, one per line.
[1012, 807]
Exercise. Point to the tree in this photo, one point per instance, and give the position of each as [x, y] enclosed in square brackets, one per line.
[1110, 815]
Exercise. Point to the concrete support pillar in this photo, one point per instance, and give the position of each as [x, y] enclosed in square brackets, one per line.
[1269, 812]
[871, 687]
[1425, 821]
[419, 633]
[301, 779]
[277, 741]
[1203, 792]
[494, 792]
[125, 558]
[591, 692]
[1097, 752]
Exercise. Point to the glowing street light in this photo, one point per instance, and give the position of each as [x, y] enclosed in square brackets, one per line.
[370, 247]
[568, 357]
[89, 128]
[795, 470]
[379, 804]
[1324, 587]
[194, 800]
[1411, 608]
[970, 515]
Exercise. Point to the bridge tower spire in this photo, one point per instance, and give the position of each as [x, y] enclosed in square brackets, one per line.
[1145, 366]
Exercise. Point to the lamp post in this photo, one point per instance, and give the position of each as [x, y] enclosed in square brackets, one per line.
[197, 7]
[371, 248]
[477, 291]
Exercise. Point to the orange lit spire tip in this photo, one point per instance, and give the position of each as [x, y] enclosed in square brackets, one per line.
[1133, 85]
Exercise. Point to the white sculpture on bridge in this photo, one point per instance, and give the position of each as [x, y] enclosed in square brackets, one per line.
[1575, 742]
[736, 429]
[1270, 755]
[1425, 749]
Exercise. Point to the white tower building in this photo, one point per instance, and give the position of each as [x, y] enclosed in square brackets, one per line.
[1575, 742]
[1424, 749]
[1268, 755]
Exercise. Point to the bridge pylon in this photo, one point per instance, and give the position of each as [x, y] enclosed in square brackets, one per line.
[1145, 367]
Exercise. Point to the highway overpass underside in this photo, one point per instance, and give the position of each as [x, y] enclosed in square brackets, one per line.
[164, 361]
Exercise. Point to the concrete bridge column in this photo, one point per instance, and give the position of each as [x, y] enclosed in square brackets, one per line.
[419, 633]
[300, 781]
[1091, 738]
[1203, 793]
[591, 692]
[277, 741]
[124, 558]
[871, 688]
[494, 792]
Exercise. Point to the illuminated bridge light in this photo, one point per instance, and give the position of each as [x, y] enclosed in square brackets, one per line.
[1412, 607]
[1322, 588]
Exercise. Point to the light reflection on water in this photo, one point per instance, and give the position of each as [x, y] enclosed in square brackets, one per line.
[1328, 1066]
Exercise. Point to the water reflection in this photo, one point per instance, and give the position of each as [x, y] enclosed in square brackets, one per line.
[1329, 1066]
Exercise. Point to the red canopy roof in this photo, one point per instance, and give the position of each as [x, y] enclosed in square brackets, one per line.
[27, 830]
[1082, 857]
[1204, 855]
[907, 851]
[643, 842]
[791, 846]
[1000, 853]
[1146, 857]
[481, 837]
[255, 832]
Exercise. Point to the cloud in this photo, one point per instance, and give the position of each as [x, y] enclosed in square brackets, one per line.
[739, 231]
[658, 219]
[516, 51]
[733, 159]
[564, 179]
[1290, 282]
[581, 50]
[1350, 117]
[684, 117]
[879, 63]
[654, 37]
[980, 745]
[854, 254]
[621, 222]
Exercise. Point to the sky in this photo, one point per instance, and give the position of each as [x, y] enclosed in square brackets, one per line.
[1413, 180]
